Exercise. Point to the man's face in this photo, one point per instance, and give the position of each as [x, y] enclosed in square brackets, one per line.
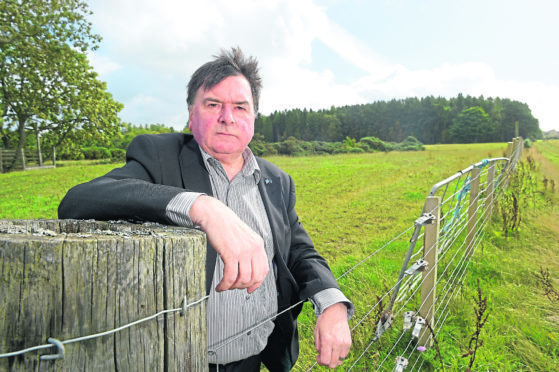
[222, 118]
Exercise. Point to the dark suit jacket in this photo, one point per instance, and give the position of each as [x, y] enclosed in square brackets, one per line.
[158, 167]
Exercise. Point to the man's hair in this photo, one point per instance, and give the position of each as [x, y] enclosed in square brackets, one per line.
[227, 63]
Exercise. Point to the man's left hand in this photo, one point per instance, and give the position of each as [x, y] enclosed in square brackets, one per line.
[332, 336]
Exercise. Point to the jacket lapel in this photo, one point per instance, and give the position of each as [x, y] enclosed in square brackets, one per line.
[270, 190]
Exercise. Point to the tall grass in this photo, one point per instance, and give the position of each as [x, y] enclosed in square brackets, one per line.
[353, 204]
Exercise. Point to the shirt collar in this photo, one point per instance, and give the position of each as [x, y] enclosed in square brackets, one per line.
[250, 166]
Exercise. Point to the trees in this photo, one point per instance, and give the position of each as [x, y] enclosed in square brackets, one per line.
[46, 83]
[471, 126]
[429, 119]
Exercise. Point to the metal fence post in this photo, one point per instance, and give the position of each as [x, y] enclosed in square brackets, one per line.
[429, 276]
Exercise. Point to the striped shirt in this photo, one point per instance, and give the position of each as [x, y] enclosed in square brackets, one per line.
[231, 312]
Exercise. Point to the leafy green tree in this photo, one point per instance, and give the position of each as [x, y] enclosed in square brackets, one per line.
[473, 125]
[513, 112]
[46, 82]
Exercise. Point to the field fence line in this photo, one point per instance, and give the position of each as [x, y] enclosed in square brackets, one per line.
[453, 226]
[454, 222]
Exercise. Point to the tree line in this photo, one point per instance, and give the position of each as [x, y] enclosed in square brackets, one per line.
[432, 120]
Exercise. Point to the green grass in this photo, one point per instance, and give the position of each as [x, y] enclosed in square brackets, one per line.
[353, 204]
[36, 193]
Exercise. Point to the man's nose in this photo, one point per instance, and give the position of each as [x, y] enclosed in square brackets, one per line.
[226, 115]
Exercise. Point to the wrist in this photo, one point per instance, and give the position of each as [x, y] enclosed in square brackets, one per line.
[199, 210]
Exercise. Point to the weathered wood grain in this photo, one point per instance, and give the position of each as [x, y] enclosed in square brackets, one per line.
[67, 279]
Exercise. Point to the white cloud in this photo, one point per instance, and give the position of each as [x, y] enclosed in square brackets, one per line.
[145, 109]
[540, 97]
[171, 38]
[103, 65]
[177, 36]
[472, 78]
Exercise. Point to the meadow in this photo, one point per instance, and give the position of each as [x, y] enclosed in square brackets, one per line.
[353, 204]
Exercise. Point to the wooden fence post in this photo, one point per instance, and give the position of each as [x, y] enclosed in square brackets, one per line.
[508, 152]
[490, 199]
[429, 275]
[519, 147]
[67, 278]
[472, 210]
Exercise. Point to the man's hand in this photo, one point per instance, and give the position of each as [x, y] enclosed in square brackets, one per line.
[332, 336]
[240, 248]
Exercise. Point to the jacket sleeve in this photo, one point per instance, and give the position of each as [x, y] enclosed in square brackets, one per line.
[134, 192]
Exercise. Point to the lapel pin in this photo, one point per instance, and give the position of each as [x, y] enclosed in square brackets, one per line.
[267, 181]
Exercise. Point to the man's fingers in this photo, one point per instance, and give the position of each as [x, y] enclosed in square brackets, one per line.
[332, 336]
[244, 275]
[248, 272]
[240, 248]
[252, 275]
[260, 269]
[230, 274]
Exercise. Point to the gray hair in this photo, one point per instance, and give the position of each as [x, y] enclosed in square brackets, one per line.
[227, 63]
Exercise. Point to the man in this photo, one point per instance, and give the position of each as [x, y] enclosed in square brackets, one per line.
[260, 260]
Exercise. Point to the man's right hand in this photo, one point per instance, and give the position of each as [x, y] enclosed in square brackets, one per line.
[240, 248]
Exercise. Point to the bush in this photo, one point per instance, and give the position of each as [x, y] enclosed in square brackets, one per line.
[364, 147]
[527, 143]
[355, 150]
[292, 146]
[118, 155]
[93, 153]
[258, 148]
[321, 147]
[374, 143]
[390, 146]
[410, 144]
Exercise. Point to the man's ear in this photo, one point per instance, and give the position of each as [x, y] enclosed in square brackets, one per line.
[188, 121]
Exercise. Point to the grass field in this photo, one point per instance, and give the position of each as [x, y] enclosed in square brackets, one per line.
[353, 204]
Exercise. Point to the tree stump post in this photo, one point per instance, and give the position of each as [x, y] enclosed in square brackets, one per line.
[67, 279]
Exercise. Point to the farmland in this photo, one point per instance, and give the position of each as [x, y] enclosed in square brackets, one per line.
[353, 204]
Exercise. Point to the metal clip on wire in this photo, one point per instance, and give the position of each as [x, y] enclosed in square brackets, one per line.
[425, 219]
[417, 267]
[409, 318]
[59, 347]
[401, 364]
[419, 323]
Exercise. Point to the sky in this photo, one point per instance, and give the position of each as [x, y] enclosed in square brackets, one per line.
[316, 54]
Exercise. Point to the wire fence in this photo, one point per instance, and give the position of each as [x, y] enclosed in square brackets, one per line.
[462, 219]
